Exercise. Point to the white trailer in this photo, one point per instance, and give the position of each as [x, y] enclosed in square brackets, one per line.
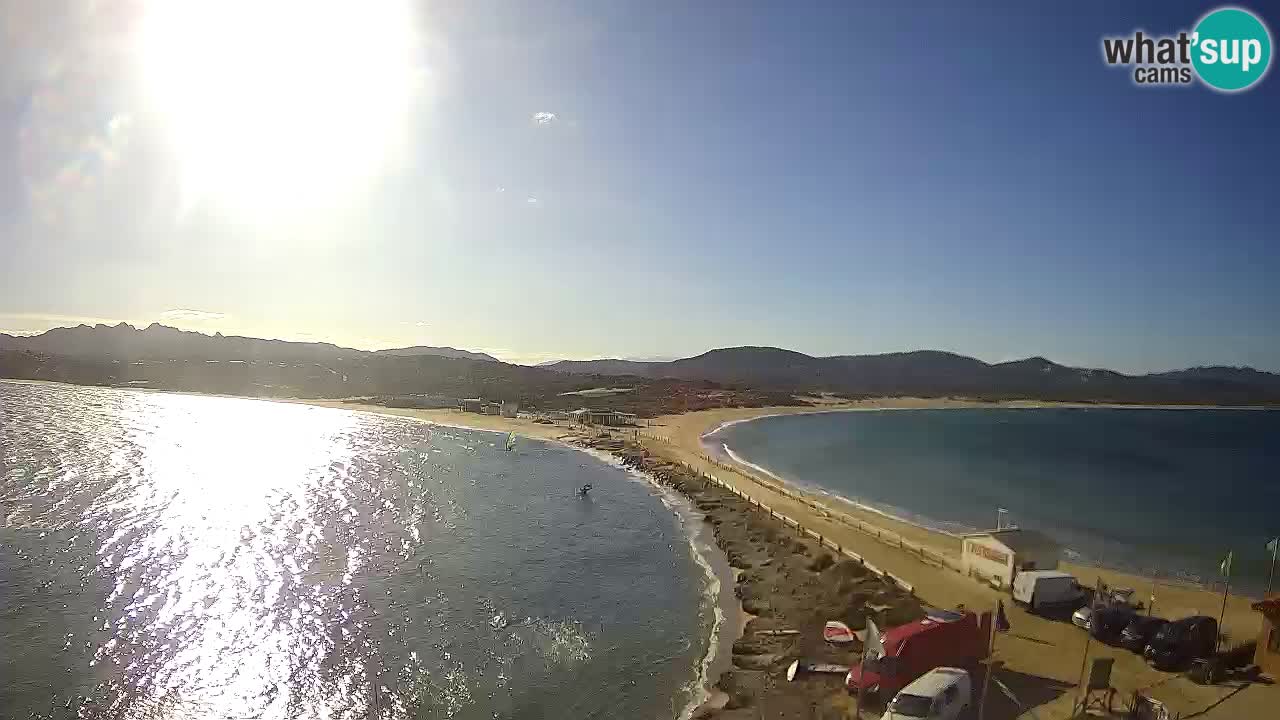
[1044, 589]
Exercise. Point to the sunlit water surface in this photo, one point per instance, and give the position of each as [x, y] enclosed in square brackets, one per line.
[171, 556]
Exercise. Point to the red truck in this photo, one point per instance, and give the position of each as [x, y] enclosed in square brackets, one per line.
[941, 639]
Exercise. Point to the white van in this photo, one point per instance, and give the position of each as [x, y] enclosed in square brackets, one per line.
[940, 694]
[1043, 589]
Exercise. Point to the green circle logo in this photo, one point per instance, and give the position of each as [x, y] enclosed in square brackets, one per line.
[1232, 49]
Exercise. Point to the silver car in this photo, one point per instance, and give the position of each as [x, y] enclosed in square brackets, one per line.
[1083, 617]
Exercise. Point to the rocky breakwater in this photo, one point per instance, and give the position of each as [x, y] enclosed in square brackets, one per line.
[791, 586]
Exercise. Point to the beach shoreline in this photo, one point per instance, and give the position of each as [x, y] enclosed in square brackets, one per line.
[924, 559]
[717, 450]
[1044, 653]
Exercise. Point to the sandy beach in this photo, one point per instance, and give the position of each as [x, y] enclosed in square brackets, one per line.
[1042, 658]
[1037, 648]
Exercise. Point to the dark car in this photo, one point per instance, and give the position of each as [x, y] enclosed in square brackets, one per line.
[1140, 631]
[1175, 645]
[1107, 624]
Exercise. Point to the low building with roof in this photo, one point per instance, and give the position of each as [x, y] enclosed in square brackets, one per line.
[997, 556]
[602, 417]
[1267, 656]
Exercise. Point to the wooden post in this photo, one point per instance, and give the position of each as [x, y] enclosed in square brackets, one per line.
[1088, 638]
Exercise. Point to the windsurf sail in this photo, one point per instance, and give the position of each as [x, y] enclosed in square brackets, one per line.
[511, 441]
[837, 632]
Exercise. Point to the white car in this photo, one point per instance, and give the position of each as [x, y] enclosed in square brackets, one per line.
[940, 694]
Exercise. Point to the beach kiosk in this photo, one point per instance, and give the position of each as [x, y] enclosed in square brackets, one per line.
[1267, 656]
[996, 556]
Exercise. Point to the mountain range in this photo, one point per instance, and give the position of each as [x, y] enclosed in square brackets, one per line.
[86, 353]
[126, 342]
[439, 351]
[935, 373]
[164, 358]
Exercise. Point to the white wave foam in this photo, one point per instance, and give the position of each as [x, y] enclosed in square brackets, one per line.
[821, 411]
[731, 423]
[885, 511]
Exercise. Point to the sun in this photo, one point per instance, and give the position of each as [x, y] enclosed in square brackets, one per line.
[280, 104]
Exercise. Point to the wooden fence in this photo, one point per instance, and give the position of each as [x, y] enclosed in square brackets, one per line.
[801, 529]
[886, 537]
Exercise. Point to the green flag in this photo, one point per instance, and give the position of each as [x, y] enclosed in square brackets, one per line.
[1225, 567]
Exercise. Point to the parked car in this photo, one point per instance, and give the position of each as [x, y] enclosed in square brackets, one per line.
[1047, 590]
[1107, 624]
[1140, 631]
[1181, 641]
[940, 694]
[943, 639]
[1082, 617]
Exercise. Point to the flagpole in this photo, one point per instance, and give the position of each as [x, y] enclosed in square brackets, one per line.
[1226, 588]
[862, 679]
[1151, 606]
[1275, 545]
[862, 673]
[986, 680]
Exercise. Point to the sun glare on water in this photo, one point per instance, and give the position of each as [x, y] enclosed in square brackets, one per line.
[280, 104]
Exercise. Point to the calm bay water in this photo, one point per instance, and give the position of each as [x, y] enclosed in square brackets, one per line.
[1142, 490]
[169, 556]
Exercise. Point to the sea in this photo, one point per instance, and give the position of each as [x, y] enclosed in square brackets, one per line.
[1160, 492]
[183, 556]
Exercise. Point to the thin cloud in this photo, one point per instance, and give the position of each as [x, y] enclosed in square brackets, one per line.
[190, 315]
[39, 322]
[545, 118]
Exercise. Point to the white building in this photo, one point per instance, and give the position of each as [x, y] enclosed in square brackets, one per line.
[602, 417]
[996, 556]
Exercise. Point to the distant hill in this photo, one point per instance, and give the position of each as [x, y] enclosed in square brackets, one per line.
[161, 356]
[126, 342]
[439, 351]
[1222, 374]
[934, 373]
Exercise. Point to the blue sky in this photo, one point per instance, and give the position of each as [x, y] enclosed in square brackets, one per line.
[825, 177]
